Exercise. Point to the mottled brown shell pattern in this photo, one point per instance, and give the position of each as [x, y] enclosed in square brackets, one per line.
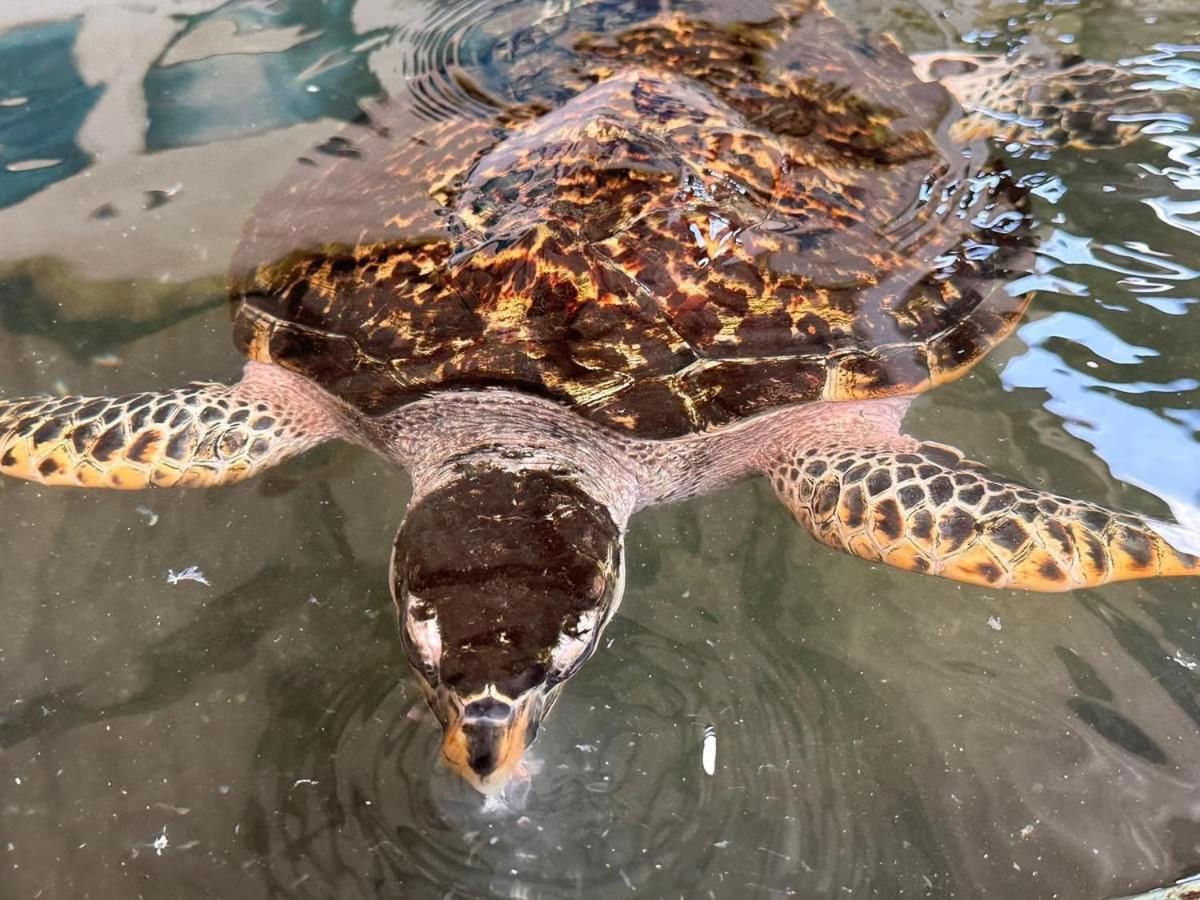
[724, 218]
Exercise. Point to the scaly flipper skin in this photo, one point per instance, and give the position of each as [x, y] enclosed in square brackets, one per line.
[872, 492]
[200, 435]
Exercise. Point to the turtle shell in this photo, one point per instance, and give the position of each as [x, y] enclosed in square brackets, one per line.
[668, 229]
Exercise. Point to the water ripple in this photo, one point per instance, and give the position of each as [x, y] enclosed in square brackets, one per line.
[438, 53]
[1172, 66]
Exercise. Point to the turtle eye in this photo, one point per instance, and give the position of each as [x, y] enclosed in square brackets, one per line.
[422, 638]
[428, 671]
[575, 644]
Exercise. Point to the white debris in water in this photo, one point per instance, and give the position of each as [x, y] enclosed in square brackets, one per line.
[418, 712]
[1026, 832]
[708, 752]
[1186, 661]
[107, 361]
[994, 623]
[31, 165]
[585, 748]
[300, 781]
[161, 843]
[191, 573]
[13, 101]
[150, 516]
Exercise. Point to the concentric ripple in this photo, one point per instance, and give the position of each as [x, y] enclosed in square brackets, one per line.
[469, 58]
[618, 800]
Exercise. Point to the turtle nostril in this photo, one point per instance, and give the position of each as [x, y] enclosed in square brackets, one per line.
[489, 708]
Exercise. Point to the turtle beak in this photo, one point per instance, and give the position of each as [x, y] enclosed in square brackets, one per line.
[485, 743]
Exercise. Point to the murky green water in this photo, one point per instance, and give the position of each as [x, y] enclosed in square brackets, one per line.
[878, 733]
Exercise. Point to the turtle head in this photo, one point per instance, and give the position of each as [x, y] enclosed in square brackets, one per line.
[503, 581]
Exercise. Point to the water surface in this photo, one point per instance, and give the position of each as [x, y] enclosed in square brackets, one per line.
[878, 733]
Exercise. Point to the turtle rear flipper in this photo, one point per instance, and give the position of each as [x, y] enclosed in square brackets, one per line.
[857, 484]
[196, 436]
[1043, 98]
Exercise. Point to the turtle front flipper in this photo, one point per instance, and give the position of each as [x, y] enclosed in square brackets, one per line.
[1043, 97]
[860, 487]
[196, 436]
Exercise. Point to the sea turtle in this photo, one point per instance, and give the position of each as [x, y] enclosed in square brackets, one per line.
[678, 255]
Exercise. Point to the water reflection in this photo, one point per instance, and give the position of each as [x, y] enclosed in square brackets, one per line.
[1136, 281]
[43, 101]
[249, 67]
[875, 732]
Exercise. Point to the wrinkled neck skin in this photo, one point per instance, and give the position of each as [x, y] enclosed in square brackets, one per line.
[439, 437]
[436, 437]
